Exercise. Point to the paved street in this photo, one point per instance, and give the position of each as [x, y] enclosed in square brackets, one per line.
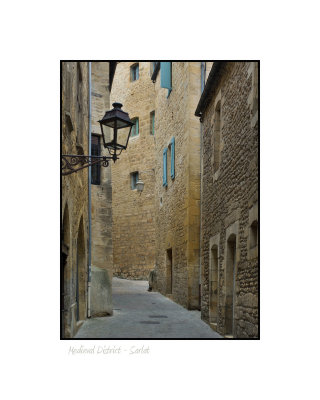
[142, 314]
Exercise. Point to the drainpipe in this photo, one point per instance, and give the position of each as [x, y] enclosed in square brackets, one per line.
[89, 198]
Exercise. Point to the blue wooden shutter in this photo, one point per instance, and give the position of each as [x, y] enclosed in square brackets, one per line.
[137, 127]
[165, 167]
[137, 71]
[165, 68]
[172, 158]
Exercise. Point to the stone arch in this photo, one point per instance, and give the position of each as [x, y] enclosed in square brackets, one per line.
[213, 289]
[80, 273]
[65, 273]
[230, 284]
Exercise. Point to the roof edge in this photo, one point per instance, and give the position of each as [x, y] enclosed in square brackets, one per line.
[207, 91]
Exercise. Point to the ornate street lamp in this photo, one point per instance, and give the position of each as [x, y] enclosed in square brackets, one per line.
[121, 124]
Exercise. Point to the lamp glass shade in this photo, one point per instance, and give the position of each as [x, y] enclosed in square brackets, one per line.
[140, 185]
[120, 123]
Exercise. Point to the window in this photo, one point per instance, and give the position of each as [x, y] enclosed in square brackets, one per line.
[164, 178]
[134, 177]
[152, 115]
[135, 127]
[216, 139]
[166, 76]
[95, 151]
[134, 72]
[254, 234]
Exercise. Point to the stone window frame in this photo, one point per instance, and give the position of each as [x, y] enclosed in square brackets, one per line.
[214, 242]
[232, 229]
[218, 100]
[253, 217]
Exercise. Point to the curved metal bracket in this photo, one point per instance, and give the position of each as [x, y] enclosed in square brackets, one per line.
[69, 161]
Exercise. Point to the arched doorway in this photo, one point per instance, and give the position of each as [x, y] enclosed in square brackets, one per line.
[65, 272]
[230, 284]
[80, 274]
[213, 311]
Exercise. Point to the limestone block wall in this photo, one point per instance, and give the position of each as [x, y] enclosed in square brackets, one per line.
[101, 195]
[230, 203]
[178, 203]
[133, 214]
[74, 195]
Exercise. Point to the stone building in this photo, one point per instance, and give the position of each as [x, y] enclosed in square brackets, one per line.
[86, 197]
[228, 108]
[132, 212]
[177, 180]
[102, 73]
[74, 268]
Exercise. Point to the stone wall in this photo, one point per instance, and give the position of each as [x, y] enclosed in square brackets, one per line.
[230, 203]
[178, 203]
[133, 213]
[74, 196]
[101, 195]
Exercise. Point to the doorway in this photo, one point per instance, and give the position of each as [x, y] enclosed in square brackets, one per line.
[213, 289]
[230, 285]
[169, 271]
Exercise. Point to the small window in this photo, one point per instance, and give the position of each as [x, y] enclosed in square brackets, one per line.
[134, 72]
[253, 234]
[152, 115]
[134, 179]
[135, 127]
[95, 151]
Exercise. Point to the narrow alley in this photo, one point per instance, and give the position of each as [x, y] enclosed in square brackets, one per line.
[138, 313]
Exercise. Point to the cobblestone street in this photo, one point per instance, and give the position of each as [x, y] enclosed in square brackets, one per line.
[142, 314]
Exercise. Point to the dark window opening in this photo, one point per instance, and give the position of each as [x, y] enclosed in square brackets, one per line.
[134, 72]
[253, 234]
[95, 151]
[134, 179]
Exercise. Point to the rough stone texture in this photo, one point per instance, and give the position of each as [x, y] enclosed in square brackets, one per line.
[178, 204]
[75, 194]
[133, 213]
[101, 299]
[230, 195]
[101, 195]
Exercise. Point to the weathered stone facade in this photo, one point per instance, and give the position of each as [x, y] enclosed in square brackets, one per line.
[101, 192]
[178, 203]
[229, 234]
[133, 213]
[74, 197]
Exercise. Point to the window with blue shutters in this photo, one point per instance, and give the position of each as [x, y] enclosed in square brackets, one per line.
[172, 157]
[135, 127]
[165, 167]
[134, 72]
[166, 76]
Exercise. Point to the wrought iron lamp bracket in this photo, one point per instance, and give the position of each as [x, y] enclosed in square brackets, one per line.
[70, 161]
